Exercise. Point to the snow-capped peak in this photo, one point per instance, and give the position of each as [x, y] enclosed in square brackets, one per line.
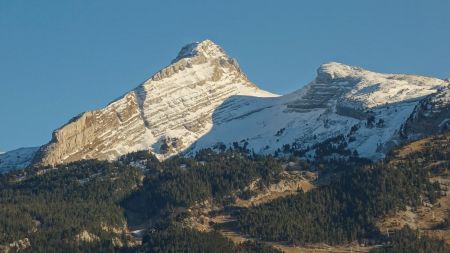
[206, 48]
[165, 114]
[366, 89]
[334, 70]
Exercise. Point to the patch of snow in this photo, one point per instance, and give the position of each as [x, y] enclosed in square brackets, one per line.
[16, 159]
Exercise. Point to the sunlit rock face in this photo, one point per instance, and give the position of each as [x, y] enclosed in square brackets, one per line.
[165, 114]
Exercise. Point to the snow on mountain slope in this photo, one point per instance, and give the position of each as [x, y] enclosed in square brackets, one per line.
[367, 108]
[16, 159]
[370, 89]
[203, 98]
[165, 114]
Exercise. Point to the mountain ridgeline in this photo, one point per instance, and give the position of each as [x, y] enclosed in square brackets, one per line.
[203, 99]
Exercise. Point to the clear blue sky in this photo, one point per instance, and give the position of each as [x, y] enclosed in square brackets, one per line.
[59, 58]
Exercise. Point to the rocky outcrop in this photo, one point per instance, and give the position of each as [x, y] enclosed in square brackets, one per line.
[16, 246]
[431, 116]
[85, 236]
[96, 134]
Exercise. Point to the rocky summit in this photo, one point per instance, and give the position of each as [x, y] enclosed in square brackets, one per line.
[165, 114]
[203, 99]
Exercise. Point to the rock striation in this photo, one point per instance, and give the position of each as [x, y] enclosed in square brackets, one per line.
[165, 114]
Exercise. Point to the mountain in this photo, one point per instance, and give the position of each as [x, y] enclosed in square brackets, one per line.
[165, 114]
[203, 99]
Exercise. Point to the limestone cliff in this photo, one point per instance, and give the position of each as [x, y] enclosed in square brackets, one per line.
[165, 114]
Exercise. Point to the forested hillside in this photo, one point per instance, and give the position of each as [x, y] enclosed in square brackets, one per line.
[176, 239]
[182, 182]
[53, 206]
[343, 211]
[347, 209]
[88, 206]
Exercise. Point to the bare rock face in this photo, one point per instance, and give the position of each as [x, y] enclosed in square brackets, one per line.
[93, 134]
[175, 103]
[431, 116]
[86, 236]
